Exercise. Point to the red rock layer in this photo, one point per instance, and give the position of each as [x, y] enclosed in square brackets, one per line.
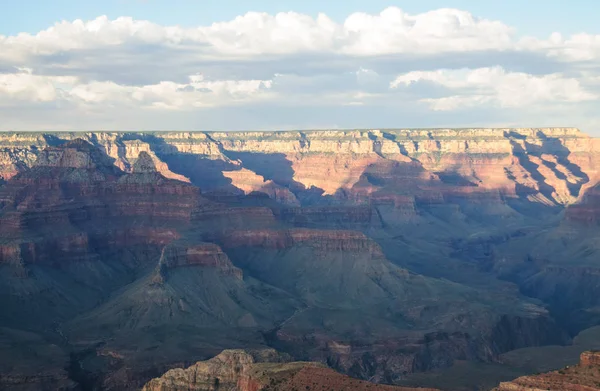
[55, 195]
[95, 205]
[237, 370]
[548, 165]
[198, 255]
[328, 240]
[590, 359]
[587, 210]
[76, 247]
[318, 378]
[221, 217]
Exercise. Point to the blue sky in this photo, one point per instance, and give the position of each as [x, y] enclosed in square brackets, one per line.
[163, 65]
[530, 17]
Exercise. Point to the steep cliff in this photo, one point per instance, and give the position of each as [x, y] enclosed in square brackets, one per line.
[548, 165]
[587, 210]
[75, 231]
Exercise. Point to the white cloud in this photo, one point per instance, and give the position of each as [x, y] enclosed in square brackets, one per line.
[448, 59]
[391, 31]
[197, 92]
[25, 86]
[261, 33]
[64, 36]
[443, 30]
[170, 95]
[580, 47]
[475, 87]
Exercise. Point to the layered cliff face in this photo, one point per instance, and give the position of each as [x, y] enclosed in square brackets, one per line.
[549, 165]
[587, 210]
[557, 261]
[76, 229]
[200, 254]
[248, 182]
[18, 152]
[77, 182]
[375, 253]
[266, 370]
[74, 200]
[582, 377]
[371, 319]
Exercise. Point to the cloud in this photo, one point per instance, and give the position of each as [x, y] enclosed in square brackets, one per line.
[24, 86]
[391, 31]
[580, 47]
[170, 95]
[495, 86]
[261, 66]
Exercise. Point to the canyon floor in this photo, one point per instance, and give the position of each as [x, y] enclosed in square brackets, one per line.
[452, 258]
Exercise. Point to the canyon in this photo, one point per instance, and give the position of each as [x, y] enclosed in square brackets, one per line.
[380, 254]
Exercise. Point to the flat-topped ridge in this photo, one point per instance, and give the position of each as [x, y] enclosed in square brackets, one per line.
[552, 165]
[407, 132]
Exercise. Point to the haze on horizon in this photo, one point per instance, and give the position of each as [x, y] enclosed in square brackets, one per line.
[267, 65]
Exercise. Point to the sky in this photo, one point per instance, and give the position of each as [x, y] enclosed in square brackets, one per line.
[282, 64]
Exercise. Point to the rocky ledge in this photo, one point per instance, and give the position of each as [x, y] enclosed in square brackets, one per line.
[330, 240]
[207, 255]
[582, 377]
[266, 370]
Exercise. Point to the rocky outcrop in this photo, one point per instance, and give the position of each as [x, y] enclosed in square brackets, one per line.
[249, 182]
[238, 370]
[14, 161]
[582, 377]
[587, 210]
[207, 255]
[327, 379]
[224, 370]
[129, 151]
[18, 152]
[590, 359]
[74, 154]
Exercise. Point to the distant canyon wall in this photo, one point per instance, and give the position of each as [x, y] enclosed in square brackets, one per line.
[552, 166]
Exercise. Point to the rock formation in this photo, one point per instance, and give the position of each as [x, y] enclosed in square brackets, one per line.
[238, 370]
[582, 377]
[550, 165]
